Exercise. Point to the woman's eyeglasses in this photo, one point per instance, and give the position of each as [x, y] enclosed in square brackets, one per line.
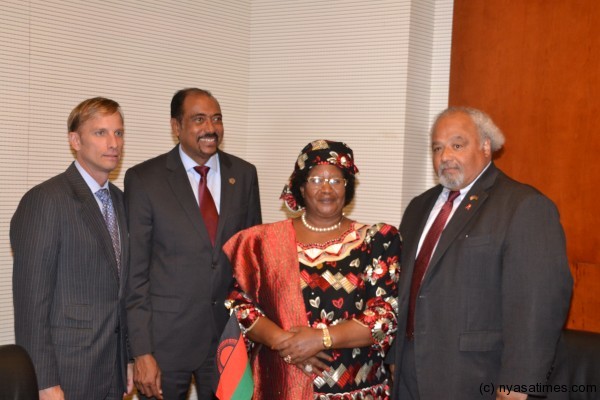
[320, 181]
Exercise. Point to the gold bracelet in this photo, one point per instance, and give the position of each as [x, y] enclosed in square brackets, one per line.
[327, 342]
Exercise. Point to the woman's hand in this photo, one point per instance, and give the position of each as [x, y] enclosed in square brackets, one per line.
[315, 365]
[305, 343]
[280, 337]
[268, 333]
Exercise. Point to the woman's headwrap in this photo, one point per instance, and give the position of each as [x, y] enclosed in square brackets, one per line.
[319, 152]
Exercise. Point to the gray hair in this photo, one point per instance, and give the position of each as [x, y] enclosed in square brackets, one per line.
[485, 126]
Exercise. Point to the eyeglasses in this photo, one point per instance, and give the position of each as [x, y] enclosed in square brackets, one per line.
[320, 181]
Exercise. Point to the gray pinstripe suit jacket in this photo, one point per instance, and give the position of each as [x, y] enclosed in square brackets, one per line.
[69, 312]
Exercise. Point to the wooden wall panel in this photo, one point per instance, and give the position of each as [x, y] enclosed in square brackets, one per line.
[586, 302]
[534, 66]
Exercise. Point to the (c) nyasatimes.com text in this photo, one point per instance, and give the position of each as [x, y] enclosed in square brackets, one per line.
[488, 388]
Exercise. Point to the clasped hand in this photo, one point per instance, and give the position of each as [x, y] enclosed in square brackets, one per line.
[304, 348]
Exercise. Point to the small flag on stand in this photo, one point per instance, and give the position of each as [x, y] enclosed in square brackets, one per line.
[233, 366]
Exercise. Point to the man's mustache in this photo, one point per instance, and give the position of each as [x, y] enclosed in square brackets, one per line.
[209, 136]
[447, 164]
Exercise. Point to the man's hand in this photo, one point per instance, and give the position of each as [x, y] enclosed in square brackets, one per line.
[146, 376]
[129, 388]
[504, 395]
[392, 369]
[52, 393]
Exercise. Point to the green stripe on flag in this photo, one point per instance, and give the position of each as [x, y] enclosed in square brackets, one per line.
[245, 387]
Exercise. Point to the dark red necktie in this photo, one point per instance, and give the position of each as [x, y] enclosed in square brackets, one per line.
[207, 204]
[422, 261]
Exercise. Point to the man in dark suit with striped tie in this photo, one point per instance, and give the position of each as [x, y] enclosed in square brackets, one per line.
[70, 243]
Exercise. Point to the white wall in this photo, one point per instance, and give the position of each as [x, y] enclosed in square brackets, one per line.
[286, 72]
[370, 74]
[56, 53]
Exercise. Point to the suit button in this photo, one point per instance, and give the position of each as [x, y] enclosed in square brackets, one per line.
[117, 329]
[214, 303]
[214, 265]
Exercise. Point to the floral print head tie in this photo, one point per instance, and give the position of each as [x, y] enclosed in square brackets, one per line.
[319, 152]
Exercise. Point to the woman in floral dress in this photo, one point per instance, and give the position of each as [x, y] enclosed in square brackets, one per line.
[316, 295]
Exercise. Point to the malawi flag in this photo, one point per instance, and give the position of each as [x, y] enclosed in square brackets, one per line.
[233, 367]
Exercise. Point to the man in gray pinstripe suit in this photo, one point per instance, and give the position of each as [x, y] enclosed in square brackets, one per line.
[70, 243]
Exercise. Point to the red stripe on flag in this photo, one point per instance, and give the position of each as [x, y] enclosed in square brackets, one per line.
[232, 360]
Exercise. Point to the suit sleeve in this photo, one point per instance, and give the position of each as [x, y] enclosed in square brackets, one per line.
[139, 307]
[254, 212]
[536, 289]
[35, 239]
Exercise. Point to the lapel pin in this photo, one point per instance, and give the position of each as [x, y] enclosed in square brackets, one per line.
[468, 207]
[474, 198]
[232, 181]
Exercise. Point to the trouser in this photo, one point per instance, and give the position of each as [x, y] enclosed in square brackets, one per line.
[176, 384]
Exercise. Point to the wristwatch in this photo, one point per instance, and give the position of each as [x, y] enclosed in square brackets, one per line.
[327, 343]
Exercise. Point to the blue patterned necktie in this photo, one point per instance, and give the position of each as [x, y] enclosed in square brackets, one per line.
[110, 218]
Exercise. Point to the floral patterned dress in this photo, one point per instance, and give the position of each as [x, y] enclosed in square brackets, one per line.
[351, 278]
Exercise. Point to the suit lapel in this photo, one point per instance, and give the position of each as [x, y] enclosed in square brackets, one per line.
[229, 183]
[91, 214]
[426, 207]
[180, 185]
[119, 206]
[467, 209]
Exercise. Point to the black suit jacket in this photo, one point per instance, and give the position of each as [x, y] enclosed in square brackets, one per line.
[178, 281]
[496, 293]
[68, 298]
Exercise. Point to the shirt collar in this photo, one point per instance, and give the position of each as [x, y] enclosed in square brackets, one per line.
[91, 182]
[466, 189]
[189, 164]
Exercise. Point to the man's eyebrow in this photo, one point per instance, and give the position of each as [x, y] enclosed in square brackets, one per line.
[205, 115]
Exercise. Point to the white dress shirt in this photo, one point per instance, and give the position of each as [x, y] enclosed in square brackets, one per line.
[442, 198]
[213, 178]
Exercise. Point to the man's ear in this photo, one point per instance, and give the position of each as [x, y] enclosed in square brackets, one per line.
[487, 148]
[175, 127]
[75, 141]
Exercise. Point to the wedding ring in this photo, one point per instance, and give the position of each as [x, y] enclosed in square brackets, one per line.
[288, 359]
[308, 368]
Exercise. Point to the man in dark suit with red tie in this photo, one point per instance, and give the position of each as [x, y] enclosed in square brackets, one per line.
[485, 284]
[182, 207]
[71, 251]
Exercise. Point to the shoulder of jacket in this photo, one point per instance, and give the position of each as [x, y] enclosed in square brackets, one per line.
[230, 158]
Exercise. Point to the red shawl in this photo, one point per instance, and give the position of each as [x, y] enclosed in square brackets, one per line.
[265, 264]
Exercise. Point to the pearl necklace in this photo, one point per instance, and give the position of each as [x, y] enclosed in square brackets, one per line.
[316, 229]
